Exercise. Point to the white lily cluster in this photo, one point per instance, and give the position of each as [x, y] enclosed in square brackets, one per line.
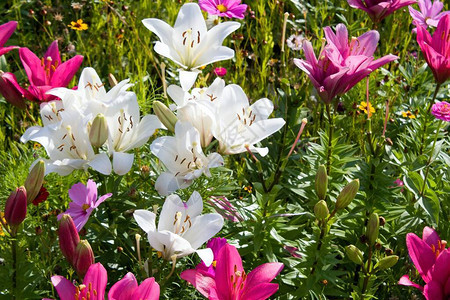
[68, 127]
[182, 229]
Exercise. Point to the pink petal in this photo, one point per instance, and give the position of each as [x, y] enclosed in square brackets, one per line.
[101, 199]
[441, 269]
[264, 273]
[433, 291]
[430, 236]
[66, 290]
[53, 52]
[228, 261]
[204, 283]
[6, 30]
[421, 255]
[33, 67]
[11, 90]
[260, 292]
[98, 278]
[367, 43]
[7, 49]
[382, 61]
[124, 288]
[148, 290]
[441, 42]
[404, 280]
[65, 72]
[91, 187]
[79, 193]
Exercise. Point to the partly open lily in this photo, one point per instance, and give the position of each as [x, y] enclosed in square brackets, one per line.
[189, 43]
[181, 228]
[183, 157]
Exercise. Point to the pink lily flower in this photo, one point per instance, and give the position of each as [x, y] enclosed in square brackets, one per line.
[6, 30]
[230, 280]
[436, 49]
[224, 8]
[48, 73]
[429, 14]
[432, 261]
[94, 286]
[11, 90]
[342, 63]
[379, 9]
[84, 201]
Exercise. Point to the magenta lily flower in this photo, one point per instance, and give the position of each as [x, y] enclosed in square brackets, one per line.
[429, 14]
[48, 73]
[11, 90]
[94, 286]
[436, 49]
[379, 9]
[6, 30]
[84, 201]
[224, 8]
[432, 261]
[342, 63]
[231, 281]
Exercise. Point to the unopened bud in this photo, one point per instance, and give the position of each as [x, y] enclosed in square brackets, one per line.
[354, 254]
[34, 181]
[378, 246]
[165, 115]
[16, 207]
[372, 228]
[347, 194]
[68, 238]
[321, 210]
[99, 131]
[321, 182]
[387, 262]
[382, 221]
[84, 257]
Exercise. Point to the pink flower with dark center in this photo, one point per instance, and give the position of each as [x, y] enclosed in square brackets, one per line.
[441, 111]
[84, 201]
[432, 261]
[429, 14]
[6, 30]
[342, 63]
[224, 8]
[436, 48]
[221, 72]
[48, 73]
[230, 281]
[379, 9]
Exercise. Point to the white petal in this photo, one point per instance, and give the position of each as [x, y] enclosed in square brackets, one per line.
[187, 79]
[172, 205]
[262, 109]
[262, 151]
[101, 163]
[194, 205]
[203, 228]
[262, 129]
[145, 219]
[30, 133]
[177, 94]
[144, 130]
[174, 243]
[169, 52]
[160, 28]
[213, 54]
[122, 162]
[190, 17]
[206, 255]
[167, 183]
[91, 84]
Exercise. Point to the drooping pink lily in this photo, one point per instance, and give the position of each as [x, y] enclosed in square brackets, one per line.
[432, 261]
[436, 48]
[379, 9]
[230, 280]
[11, 90]
[6, 30]
[342, 63]
[48, 73]
[94, 285]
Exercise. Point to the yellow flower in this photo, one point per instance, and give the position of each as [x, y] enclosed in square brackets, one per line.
[363, 107]
[4, 222]
[408, 114]
[78, 25]
[248, 189]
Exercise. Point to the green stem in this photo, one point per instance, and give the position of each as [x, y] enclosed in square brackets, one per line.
[323, 228]
[330, 137]
[14, 266]
[422, 141]
[368, 272]
[429, 159]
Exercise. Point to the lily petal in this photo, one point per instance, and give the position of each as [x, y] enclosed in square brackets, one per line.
[65, 288]
[148, 290]
[124, 288]
[421, 255]
[145, 219]
[122, 162]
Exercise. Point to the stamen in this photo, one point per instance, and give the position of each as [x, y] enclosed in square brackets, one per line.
[176, 157]
[182, 161]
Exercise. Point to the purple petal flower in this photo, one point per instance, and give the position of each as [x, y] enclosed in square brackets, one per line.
[84, 201]
[224, 8]
[6, 30]
[379, 9]
[429, 14]
[441, 111]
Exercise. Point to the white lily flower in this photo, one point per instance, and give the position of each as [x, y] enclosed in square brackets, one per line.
[66, 140]
[240, 125]
[120, 107]
[181, 227]
[189, 43]
[183, 157]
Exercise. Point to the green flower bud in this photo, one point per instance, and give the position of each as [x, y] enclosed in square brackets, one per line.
[321, 210]
[387, 262]
[372, 228]
[34, 180]
[98, 133]
[321, 182]
[354, 254]
[165, 115]
[347, 194]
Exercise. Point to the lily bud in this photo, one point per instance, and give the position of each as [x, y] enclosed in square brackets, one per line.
[372, 228]
[99, 131]
[387, 262]
[347, 194]
[84, 257]
[165, 115]
[321, 210]
[68, 237]
[16, 207]
[34, 181]
[11, 90]
[321, 182]
[354, 254]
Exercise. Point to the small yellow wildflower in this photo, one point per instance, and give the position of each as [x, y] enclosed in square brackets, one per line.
[363, 107]
[4, 222]
[248, 189]
[36, 146]
[78, 25]
[408, 114]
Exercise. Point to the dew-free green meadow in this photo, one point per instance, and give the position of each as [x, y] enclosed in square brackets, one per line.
[224, 149]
